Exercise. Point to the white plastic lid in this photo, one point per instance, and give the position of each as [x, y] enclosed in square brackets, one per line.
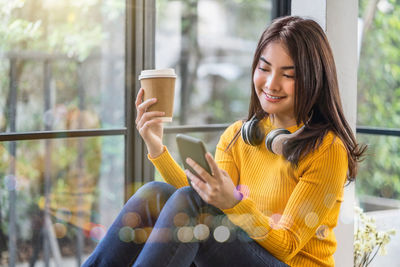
[157, 73]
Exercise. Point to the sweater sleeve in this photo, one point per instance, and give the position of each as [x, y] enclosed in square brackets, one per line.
[313, 197]
[171, 172]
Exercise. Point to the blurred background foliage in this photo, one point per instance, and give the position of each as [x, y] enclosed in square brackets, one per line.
[379, 97]
[213, 56]
[80, 41]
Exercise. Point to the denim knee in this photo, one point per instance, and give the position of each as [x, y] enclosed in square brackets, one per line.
[156, 187]
[186, 192]
[187, 197]
[152, 191]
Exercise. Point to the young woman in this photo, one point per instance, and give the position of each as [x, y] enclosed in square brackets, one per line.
[263, 205]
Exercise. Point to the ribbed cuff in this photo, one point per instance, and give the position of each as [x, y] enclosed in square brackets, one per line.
[169, 169]
[160, 156]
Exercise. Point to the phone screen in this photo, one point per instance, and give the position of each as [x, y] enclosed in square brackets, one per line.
[194, 148]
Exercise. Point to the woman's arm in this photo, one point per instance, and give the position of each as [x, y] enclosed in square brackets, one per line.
[173, 174]
[150, 128]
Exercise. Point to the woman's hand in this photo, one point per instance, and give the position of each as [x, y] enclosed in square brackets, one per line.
[149, 125]
[217, 189]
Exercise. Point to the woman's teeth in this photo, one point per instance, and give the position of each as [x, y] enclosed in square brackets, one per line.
[274, 97]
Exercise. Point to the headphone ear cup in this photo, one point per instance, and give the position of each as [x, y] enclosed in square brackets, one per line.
[255, 136]
[244, 131]
[250, 132]
[271, 137]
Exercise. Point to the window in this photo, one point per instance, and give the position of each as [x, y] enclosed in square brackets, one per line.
[62, 119]
[378, 182]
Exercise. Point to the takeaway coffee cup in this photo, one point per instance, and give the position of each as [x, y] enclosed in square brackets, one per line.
[159, 84]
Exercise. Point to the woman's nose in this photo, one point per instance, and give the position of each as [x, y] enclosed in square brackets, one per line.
[272, 82]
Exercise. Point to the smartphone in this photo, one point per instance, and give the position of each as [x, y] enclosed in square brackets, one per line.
[194, 148]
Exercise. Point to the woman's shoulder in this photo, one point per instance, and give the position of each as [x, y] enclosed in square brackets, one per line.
[231, 131]
[331, 143]
[331, 139]
[233, 128]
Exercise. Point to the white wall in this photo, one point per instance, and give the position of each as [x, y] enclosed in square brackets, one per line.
[339, 19]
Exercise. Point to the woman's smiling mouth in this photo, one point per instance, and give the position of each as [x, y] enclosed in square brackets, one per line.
[272, 98]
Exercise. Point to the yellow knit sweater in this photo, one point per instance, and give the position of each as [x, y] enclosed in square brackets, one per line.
[291, 212]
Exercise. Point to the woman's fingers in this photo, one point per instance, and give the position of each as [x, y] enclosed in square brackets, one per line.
[146, 104]
[213, 165]
[138, 102]
[139, 97]
[142, 107]
[147, 116]
[199, 170]
[195, 180]
[198, 185]
[149, 124]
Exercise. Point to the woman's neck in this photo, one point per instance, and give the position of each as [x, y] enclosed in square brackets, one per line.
[282, 122]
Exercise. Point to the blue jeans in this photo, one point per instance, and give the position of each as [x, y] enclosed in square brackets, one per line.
[164, 226]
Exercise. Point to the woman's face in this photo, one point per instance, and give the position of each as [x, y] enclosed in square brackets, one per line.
[274, 83]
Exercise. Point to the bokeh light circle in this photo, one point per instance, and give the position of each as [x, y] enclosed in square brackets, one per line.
[98, 232]
[244, 189]
[185, 234]
[221, 234]
[131, 219]
[181, 219]
[140, 236]
[311, 219]
[201, 232]
[276, 217]
[126, 234]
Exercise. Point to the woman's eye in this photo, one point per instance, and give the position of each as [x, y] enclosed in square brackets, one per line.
[262, 69]
[288, 76]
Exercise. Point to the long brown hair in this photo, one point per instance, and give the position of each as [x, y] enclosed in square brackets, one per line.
[317, 99]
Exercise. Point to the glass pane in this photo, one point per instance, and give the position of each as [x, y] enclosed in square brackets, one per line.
[67, 189]
[379, 173]
[378, 189]
[379, 67]
[62, 64]
[378, 182]
[210, 139]
[210, 44]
